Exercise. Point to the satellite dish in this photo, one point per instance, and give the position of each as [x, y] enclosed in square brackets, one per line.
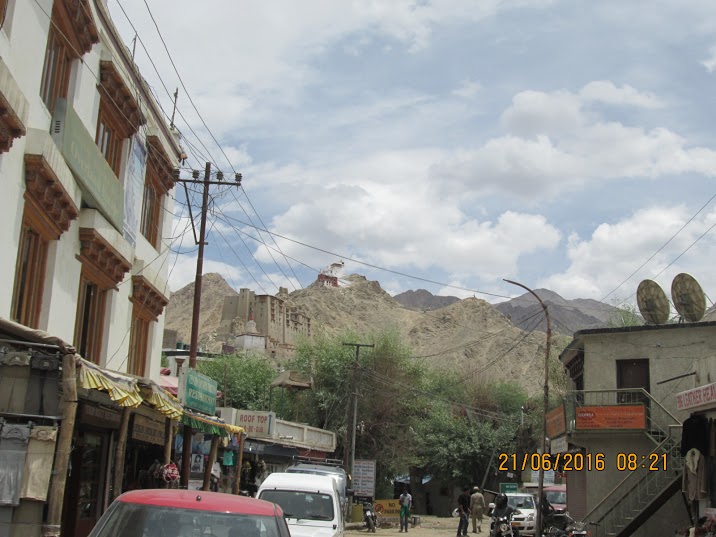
[688, 297]
[652, 302]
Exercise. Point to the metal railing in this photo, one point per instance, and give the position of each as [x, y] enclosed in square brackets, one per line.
[640, 487]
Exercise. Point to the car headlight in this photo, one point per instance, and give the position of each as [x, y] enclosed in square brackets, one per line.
[531, 516]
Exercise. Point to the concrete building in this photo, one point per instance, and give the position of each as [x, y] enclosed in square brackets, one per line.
[623, 410]
[87, 162]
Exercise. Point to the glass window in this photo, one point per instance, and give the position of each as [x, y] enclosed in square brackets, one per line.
[56, 70]
[90, 319]
[138, 344]
[556, 496]
[108, 140]
[29, 277]
[151, 210]
[521, 502]
[296, 504]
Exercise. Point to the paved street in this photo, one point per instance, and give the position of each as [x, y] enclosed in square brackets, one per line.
[430, 526]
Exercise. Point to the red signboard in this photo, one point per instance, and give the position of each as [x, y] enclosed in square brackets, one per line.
[611, 417]
[556, 424]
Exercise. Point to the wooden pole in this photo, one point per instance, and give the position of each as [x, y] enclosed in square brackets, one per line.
[210, 463]
[168, 441]
[239, 464]
[119, 453]
[187, 435]
[64, 446]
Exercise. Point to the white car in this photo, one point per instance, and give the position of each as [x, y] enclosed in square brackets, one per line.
[524, 503]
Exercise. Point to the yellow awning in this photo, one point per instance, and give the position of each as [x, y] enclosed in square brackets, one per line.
[162, 401]
[121, 389]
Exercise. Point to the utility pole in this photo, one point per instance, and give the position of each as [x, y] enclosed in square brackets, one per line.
[200, 242]
[540, 486]
[354, 391]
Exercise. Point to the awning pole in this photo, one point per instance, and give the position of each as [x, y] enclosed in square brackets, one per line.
[119, 453]
[210, 463]
[239, 463]
[64, 446]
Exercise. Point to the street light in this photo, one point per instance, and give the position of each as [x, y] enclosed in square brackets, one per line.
[540, 485]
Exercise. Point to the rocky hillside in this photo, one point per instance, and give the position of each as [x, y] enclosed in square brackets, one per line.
[424, 300]
[213, 290]
[567, 316]
[469, 335]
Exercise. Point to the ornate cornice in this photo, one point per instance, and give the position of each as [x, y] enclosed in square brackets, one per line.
[161, 164]
[11, 126]
[54, 205]
[80, 17]
[105, 264]
[121, 97]
[147, 297]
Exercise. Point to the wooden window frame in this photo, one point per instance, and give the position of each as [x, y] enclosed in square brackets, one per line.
[138, 341]
[56, 68]
[3, 11]
[152, 200]
[89, 321]
[30, 270]
[111, 135]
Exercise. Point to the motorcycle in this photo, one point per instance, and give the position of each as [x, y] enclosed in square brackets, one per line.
[369, 516]
[502, 526]
[573, 529]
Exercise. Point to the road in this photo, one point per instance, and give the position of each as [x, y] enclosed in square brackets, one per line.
[430, 526]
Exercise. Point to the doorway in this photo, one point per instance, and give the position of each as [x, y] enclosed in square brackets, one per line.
[633, 374]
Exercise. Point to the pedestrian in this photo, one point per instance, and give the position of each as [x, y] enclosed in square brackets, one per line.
[477, 507]
[406, 504]
[463, 511]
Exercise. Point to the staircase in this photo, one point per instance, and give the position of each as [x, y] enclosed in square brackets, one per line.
[642, 492]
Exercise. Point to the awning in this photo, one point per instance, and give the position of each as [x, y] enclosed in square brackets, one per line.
[122, 389]
[162, 401]
[170, 384]
[208, 424]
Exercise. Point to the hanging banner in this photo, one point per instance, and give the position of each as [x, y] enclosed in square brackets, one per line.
[703, 395]
[611, 417]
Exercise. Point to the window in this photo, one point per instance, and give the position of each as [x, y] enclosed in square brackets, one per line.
[138, 339]
[151, 210]
[90, 319]
[109, 139]
[56, 71]
[29, 276]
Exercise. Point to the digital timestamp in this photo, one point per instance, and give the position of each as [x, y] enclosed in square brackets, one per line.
[567, 462]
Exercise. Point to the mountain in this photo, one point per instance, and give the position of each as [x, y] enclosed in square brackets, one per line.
[181, 304]
[468, 335]
[566, 316]
[424, 300]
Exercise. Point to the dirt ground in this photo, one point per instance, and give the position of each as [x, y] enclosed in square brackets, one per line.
[430, 526]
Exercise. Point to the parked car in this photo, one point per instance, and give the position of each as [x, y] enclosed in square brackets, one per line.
[310, 503]
[186, 513]
[526, 506]
[557, 496]
[336, 472]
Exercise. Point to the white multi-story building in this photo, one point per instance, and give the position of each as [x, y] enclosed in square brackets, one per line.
[86, 164]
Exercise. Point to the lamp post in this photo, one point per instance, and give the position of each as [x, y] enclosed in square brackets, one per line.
[540, 485]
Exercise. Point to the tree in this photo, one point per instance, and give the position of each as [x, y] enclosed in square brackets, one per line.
[625, 315]
[248, 378]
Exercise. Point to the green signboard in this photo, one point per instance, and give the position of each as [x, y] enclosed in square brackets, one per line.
[508, 487]
[101, 189]
[197, 391]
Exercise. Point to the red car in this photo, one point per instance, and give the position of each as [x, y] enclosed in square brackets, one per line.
[188, 513]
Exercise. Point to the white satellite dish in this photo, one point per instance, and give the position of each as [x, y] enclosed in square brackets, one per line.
[652, 302]
[688, 297]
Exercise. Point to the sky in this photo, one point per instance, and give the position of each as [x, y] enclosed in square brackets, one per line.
[564, 144]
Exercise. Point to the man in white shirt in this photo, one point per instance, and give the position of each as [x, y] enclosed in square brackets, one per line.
[406, 504]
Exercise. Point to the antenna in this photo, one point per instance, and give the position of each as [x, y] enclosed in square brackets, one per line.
[688, 297]
[652, 302]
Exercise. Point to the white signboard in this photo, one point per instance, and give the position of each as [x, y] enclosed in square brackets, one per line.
[703, 395]
[364, 478]
[256, 424]
[558, 445]
[548, 477]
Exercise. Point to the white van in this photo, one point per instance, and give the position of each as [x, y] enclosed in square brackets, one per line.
[310, 503]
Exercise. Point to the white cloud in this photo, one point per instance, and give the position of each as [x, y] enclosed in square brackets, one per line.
[710, 62]
[598, 264]
[468, 89]
[607, 92]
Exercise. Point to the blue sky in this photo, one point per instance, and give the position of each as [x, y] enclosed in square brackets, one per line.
[558, 143]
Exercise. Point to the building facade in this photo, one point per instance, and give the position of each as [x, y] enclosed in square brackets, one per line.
[87, 164]
[623, 408]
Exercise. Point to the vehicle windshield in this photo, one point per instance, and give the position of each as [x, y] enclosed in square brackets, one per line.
[521, 502]
[138, 520]
[557, 496]
[296, 504]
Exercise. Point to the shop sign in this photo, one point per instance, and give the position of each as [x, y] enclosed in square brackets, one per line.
[556, 423]
[147, 430]
[364, 478]
[100, 187]
[387, 508]
[98, 416]
[548, 478]
[703, 395]
[255, 423]
[197, 391]
[558, 445]
[611, 417]
[508, 487]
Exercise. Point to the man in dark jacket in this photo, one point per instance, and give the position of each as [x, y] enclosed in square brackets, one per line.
[463, 511]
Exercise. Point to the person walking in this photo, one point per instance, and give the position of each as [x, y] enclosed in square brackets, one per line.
[463, 511]
[477, 507]
[406, 504]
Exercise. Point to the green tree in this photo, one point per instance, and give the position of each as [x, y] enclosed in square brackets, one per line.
[625, 315]
[248, 378]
